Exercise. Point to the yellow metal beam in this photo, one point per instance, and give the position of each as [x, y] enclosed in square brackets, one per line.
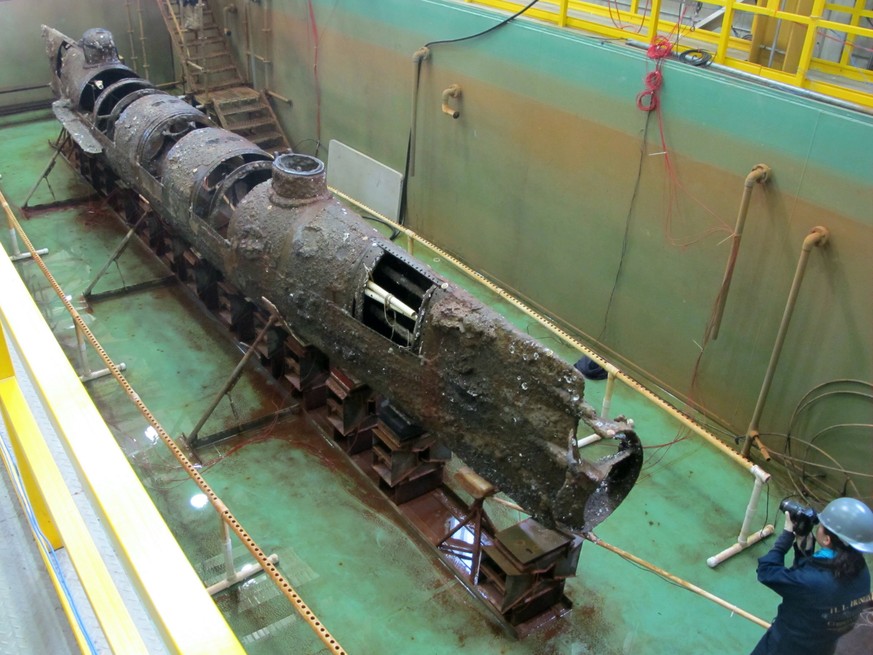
[797, 30]
[226, 516]
[41, 540]
[48, 489]
[186, 616]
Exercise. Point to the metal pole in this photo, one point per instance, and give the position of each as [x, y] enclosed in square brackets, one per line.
[232, 380]
[133, 57]
[230, 572]
[43, 175]
[83, 358]
[17, 255]
[760, 173]
[677, 580]
[818, 236]
[142, 42]
[115, 255]
[607, 394]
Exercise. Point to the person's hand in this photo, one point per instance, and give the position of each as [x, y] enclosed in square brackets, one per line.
[789, 524]
[805, 545]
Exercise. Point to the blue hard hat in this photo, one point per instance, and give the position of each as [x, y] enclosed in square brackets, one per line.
[852, 521]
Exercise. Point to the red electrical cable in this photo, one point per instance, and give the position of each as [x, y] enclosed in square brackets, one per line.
[660, 49]
[317, 85]
[648, 100]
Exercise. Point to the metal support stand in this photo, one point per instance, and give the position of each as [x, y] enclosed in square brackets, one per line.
[115, 255]
[480, 489]
[217, 437]
[87, 374]
[233, 576]
[744, 540]
[232, 380]
[48, 169]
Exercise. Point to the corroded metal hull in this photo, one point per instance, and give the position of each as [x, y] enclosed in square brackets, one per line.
[498, 398]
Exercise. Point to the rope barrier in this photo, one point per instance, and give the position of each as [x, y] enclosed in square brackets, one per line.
[222, 509]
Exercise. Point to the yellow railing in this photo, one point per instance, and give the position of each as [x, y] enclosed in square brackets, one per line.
[161, 589]
[822, 47]
[187, 618]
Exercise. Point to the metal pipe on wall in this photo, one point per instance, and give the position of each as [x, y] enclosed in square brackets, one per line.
[142, 41]
[818, 236]
[133, 57]
[760, 174]
[266, 9]
[417, 58]
[250, 62]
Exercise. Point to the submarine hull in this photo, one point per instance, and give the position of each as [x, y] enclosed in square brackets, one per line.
[508, 406]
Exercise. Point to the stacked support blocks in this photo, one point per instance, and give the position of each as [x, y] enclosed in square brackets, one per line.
[407, 459]
[523, 571]
[351, 411]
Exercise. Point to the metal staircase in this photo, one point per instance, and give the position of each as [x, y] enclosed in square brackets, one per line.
[247, 112]
[211, 75]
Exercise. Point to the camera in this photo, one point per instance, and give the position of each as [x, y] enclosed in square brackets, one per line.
[804, 518]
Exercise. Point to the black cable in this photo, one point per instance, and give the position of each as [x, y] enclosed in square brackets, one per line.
[302, 141]
[394, 231]
[484, 32]
[696, 57]
[403, 185]
[627, 223]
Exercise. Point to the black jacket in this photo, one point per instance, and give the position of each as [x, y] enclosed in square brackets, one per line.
[816, 608]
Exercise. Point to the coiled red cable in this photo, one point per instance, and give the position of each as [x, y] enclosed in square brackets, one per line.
[647, 100]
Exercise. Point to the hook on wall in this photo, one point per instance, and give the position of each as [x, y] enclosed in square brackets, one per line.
[454, 91]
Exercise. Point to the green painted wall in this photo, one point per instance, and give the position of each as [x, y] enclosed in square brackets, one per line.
[536, 185]
[553, 183]
[23, 54]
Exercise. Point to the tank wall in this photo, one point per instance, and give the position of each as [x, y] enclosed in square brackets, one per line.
[22, 50]
[556, 185]
[553, 183]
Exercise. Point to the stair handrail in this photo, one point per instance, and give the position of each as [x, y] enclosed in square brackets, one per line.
[176, 31]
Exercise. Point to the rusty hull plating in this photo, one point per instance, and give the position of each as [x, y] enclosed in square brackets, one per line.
[499, 399]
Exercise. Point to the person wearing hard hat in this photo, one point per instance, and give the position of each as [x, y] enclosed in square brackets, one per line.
[822, 593]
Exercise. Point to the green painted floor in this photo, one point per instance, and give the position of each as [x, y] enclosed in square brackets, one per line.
[357, 563]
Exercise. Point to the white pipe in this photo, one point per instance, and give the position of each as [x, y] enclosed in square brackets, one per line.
[607, 394]
[13, 237]
[744, 540]
[245, 572]
[88, 374]
[228, 552]
[17, 255]
[391, 302]
[752, 507]
[754, 538]
[376, 292]
[83, 360]
[587, 441]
